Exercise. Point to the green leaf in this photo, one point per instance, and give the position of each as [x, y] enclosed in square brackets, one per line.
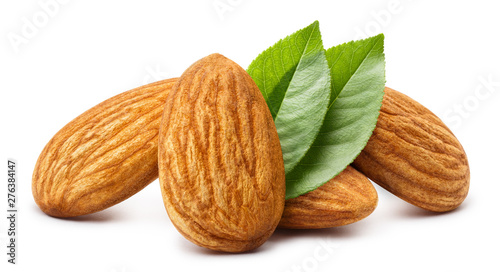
[294, 79]
[358, 78]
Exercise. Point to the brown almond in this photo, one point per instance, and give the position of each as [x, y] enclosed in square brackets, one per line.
[414, 155]
[345, 199]
[221, 168]
[103, 156]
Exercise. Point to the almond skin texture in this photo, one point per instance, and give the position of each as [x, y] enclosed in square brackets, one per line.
[221, 168]
[345, 199]
[414, 155]
[103, 156]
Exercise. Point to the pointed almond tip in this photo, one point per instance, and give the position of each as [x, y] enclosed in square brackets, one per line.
[215, 56]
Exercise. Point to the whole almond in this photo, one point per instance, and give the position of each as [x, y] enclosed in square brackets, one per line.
[345, 199]
[414, 155]
[103, 156]
[220, 163]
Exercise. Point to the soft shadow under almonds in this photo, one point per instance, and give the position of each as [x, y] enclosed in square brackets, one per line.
[347, 231]
[102, 216]
[410, 211]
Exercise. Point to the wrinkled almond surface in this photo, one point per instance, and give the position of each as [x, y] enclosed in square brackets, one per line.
[220, 162]
[345, 199]
[414, 155]
[103, 156]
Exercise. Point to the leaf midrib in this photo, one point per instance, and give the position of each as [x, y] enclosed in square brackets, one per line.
[353, 74]
[295, 70]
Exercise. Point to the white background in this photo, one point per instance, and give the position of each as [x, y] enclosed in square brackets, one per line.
[84, 52]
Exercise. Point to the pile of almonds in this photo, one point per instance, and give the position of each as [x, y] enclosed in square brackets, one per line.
[211, 139]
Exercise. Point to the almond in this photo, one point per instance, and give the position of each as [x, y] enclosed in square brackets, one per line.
[414, 155]
[103, 156]
[220, 163]
[345, 199]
